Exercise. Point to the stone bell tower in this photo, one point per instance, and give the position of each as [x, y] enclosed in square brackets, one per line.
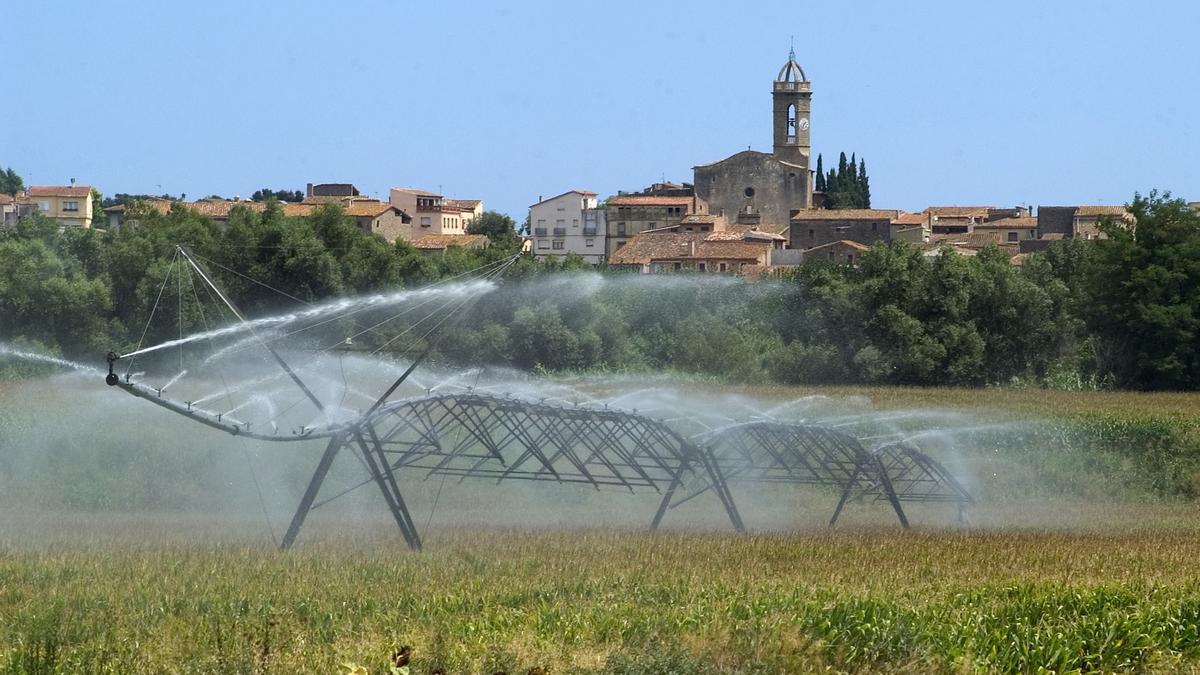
[791, 97]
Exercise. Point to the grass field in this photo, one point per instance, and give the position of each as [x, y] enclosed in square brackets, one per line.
[1096, 568]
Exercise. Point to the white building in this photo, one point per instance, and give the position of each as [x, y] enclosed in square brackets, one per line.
[568, 223]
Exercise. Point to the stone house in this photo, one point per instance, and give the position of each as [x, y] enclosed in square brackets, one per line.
[710, 252]
[815, 227]
[841, 252]
[378, 218]
[1008, 230]
[330, 190]
[1079, 222]
[630, 214]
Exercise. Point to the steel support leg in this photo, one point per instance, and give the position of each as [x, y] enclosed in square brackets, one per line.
[310, 494]
[721, 488]
[886, 482]
[676, 480]
[399, 511]
[845, 495]
[390, 475]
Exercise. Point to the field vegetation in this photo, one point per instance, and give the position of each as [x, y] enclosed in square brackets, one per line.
[130, 553]
[607, 602]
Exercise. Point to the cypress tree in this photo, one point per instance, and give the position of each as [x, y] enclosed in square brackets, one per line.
[820, 186]
[864, 184]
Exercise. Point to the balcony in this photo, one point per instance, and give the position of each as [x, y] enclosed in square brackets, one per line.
[590, 231]
[560, 231]
[539, 231]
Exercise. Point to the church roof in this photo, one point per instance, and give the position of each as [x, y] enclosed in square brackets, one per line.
[791, 71]
[752, 153]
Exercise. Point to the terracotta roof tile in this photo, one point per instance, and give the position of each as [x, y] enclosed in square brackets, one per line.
[646, 247]
[1101, 211]
[906, 218]
[5, 199]
[1008, 224]
[648, 200]
[840, 242]
[367, 209]
[845, 214]
[441, 241]
[60, 191]
[959, 211]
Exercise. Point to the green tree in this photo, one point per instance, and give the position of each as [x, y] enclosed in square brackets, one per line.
[1144, 304]
[11, 183]
[498, 227]
[820, 179]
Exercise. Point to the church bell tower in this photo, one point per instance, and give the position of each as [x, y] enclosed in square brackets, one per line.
[791, 96]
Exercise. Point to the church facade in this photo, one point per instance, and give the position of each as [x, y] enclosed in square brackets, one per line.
[753, 187]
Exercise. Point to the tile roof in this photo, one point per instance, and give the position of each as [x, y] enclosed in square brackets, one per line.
[60, 191]
[467, 204]
[301, 209]
[1008, 224]
[840, 242]
[959, 211]
[845, 214]
[161, 205]
[434, 242]
[906, 218]
[1101, 211]
[5, 199]
[648, 200]
[367, 209]
[974, 241]
[646, 247]
[419, 193]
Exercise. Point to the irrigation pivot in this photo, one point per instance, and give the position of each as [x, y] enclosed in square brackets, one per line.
[468, 433]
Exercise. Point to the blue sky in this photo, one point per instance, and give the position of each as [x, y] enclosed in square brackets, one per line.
[950, 102]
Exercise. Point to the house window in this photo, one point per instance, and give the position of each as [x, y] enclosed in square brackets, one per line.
[703, 267]
[589, 242]
[1012, 236]
[424, 221]
[811, 233]
[542, 243]
[560, 223]
[621, 229]
[874, 227]
[574, 222]
[678, 266]
[722, 267]
[43, 206]
[558, 245]
[70, 206]
[541, 222]
[653, 225]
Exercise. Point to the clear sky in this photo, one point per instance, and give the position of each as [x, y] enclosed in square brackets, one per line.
[1042, 102]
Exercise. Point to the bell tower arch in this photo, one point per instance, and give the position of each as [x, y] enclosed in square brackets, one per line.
[791, 95]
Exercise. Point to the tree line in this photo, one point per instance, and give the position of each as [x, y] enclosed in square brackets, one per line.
[1118, 312]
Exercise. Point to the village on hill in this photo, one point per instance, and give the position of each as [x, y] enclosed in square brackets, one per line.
[746, 214]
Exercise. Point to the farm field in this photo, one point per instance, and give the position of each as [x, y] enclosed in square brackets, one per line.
[146, 553]
[608, 601]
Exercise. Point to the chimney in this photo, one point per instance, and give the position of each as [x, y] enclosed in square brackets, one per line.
[72, 182]
[308, 189]
[539, 199]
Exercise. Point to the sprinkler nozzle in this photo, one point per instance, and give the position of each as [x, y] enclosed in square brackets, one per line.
[111, 379]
